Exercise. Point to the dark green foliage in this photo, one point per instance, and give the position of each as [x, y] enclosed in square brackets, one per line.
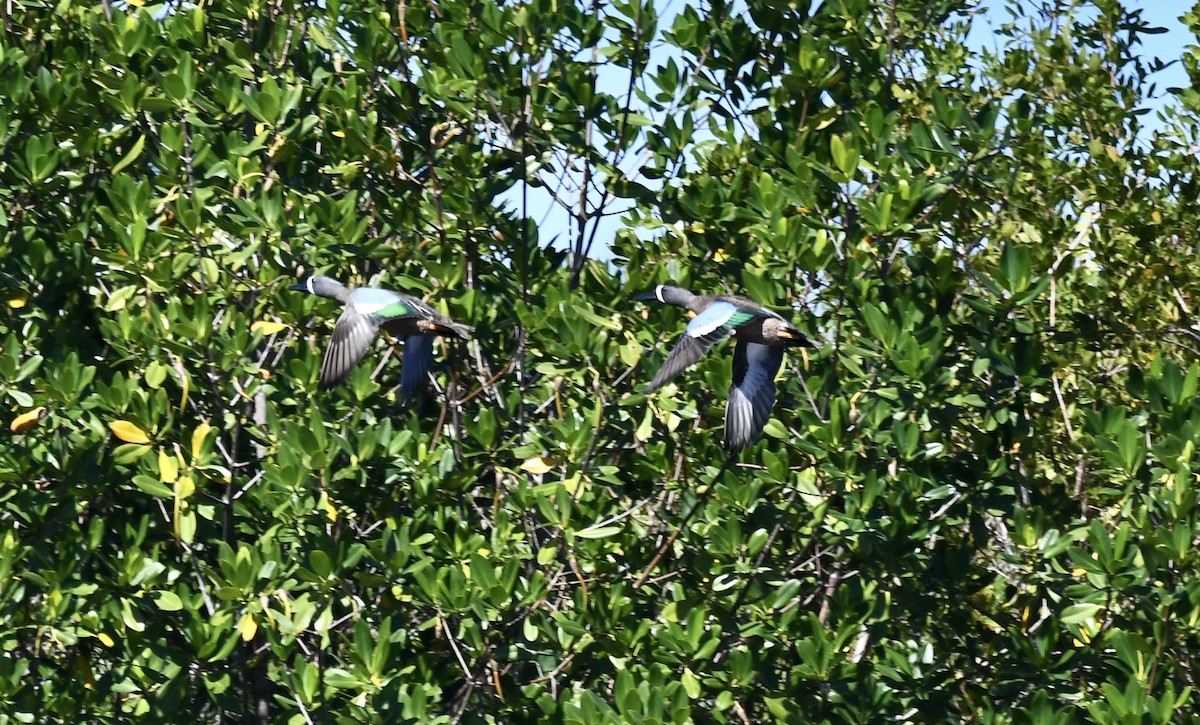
[976, 498]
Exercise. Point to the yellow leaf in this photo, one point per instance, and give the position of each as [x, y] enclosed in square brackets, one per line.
[267, 327]
[26, 420]
[248, 627]
[198, 437]
[17, 302]
[184, 487]
[327, 507]
[136, 3]
[128, 432]
[168, 467]
[106, 640]
[537, 464]
[338, 134]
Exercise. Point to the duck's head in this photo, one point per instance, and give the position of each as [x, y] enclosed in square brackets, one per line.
[321, 286]
[667, 294]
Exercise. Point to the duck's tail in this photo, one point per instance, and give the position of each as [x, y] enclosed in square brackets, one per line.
[450, 327]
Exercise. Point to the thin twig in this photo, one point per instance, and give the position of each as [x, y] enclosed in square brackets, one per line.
[454, 646]
[1062, 405]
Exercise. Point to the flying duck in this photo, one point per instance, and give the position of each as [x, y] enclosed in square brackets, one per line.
[367, 309]
[762, 335]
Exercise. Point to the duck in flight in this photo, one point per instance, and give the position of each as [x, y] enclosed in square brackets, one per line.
[762, 335]
[366, 311]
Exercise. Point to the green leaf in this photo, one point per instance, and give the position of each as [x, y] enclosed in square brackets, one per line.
[879, 326]
[785, 593]
[169, 601]
[1015, 268]
[845, 155]
[152, 486]
[598, 532]
[134, 152]
[1080, 613]
[691, 685]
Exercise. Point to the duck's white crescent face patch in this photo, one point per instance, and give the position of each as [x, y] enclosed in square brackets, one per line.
[309, 284]
[658, 292]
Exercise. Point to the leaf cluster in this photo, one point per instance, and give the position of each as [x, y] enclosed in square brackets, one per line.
[976, 497]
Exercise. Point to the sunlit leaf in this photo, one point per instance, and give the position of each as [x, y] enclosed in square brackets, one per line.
[128, 432]
[136, 150]
[247, 627]
[537, 465]
[169, 601]
[168, 467]
[691, 685]
[598, 532]
[198, 437]
[329, 509]
[268, 327]
[27, 420]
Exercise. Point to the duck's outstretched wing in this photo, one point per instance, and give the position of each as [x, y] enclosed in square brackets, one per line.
[418, 359]
[752, 392]
[717, 322]
[351, 337]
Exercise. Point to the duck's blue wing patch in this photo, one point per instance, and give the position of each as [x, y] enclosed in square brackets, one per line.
[715, 323]
[711, 319]
[715, 316]
[369, 300]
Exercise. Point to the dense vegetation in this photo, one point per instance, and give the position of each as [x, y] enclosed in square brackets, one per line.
[976, 498]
